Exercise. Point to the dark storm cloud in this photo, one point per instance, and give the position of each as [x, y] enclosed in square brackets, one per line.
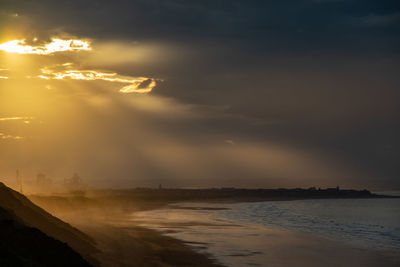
[220, 19]
[318, 75]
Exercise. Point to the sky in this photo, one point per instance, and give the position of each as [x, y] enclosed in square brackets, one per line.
[204, 93]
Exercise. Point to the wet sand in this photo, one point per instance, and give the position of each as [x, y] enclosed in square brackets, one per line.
[138, 246]
[125, 242]
[236, 244]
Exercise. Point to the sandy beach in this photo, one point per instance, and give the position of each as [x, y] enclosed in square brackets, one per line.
[137, 246]
[134, 238]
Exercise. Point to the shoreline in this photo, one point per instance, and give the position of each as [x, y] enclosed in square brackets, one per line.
[127, 244]
[277, 247]
[140, 246]
[124, 242]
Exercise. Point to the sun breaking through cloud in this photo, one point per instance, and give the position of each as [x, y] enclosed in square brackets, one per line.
[56, 45]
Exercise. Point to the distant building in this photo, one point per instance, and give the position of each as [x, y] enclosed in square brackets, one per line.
[74, 183]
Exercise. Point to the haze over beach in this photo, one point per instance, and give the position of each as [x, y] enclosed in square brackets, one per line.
[200, 133]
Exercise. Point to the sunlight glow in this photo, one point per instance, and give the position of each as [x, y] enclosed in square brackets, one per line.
[2, 76]
[3, 136]
[17, 118]
[135, 84]
[56, 45]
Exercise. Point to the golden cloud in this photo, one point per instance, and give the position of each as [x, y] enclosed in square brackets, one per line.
[26, 120]
[56, 45]
[134, 84]
[2, 76]
[3, 136]
[17, 118]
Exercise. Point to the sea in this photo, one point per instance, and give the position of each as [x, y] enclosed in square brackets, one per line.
[226, 231]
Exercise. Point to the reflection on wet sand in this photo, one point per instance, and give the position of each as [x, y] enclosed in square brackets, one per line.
[235, 244]
[147, 233]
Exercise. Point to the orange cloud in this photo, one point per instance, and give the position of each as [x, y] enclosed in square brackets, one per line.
[3, 137]
[134, 84]
[2, 76]
[56, 45]
[17, 118]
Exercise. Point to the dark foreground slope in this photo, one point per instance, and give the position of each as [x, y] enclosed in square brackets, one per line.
[21, 245]
[32, 216]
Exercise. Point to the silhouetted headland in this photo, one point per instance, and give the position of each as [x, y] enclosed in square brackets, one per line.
[236, 194]
[21, 245]
[150, 198]
[30, 236]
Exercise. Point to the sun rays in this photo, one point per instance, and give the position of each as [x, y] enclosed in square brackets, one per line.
[68, 71]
